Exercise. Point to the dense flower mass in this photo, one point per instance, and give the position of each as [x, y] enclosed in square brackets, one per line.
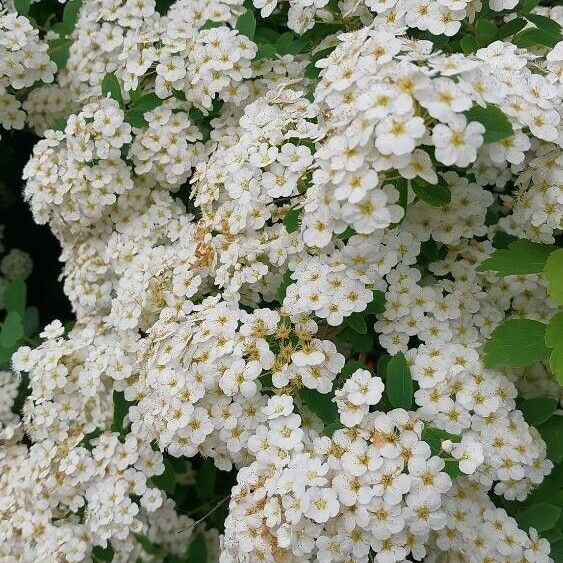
[286, 234]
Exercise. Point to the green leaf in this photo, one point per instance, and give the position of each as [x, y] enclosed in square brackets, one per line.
[468, 44]
[197, 552]
[526, 6]
[285, 283]
[377, 305]
[356, 322]
[136, 118]
[206, 477]
[556, 363]
[538, 410]
[554, 331]
[556, 552]
[59, 124]
[359, 342]
[70, 16]
[14, 297]
[516, 343]
[12, 330]
[510, 28]
[398, 383]
[452, 468]
[486, 31]
[166, 481]
[291, 219]
[547, 25]
[22, 7]
[266, 51]
[497, 126]
[552, 434]
[502, 239]
[436, 195]
[553, 272]
[521, 257]
[321, 404]
[331, 428]
[59, 52]
[209, 24]
[147, 102]
[246, 24]
[103, 553]
[434, 438]
[110, 85]
[541, 516]
[148, 545]
[534, 36]
[120, 410]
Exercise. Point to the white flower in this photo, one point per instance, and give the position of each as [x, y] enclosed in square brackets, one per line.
[457, 142]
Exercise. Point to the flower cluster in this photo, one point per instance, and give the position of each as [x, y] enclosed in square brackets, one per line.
[250, 251]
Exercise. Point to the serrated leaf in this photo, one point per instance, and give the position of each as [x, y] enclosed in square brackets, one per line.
[541, 516]
[534, 36]
[516, 343]
[526, 6]
[136, 118]
[521, 257]
[197, 552]
[486, 30]
[291, 219]
[510, 28]
[538, 410]
[147, 102]
[544, 23]
[497, 126]
[398, 382]
[436, 195]
[110, 85]
[553, 272]
[246, 24]
[12, 330]
[266, 51]
[435, 436]
[14, 297]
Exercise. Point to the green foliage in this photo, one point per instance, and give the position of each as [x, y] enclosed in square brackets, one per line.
[437, 195]
[197, 552]
[59, 51]
[22, 7]
[541, 516]
[434, 437]
[537, 410]
[321, 404]
[14, 297]
[120, 409]
[521, 257]
[377, 304]
[398, 382]
[166, 481]
[148, 546]
[356, 322]
[285, 283]
[11, 331]
[103, 554]
[553, 272]
[110, 85]
[206, 477]
[246, 24]
[497, 126]
[292, 218]
[70, 16]
[516, 343]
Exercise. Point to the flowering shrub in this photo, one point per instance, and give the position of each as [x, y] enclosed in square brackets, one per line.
[313, 252]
